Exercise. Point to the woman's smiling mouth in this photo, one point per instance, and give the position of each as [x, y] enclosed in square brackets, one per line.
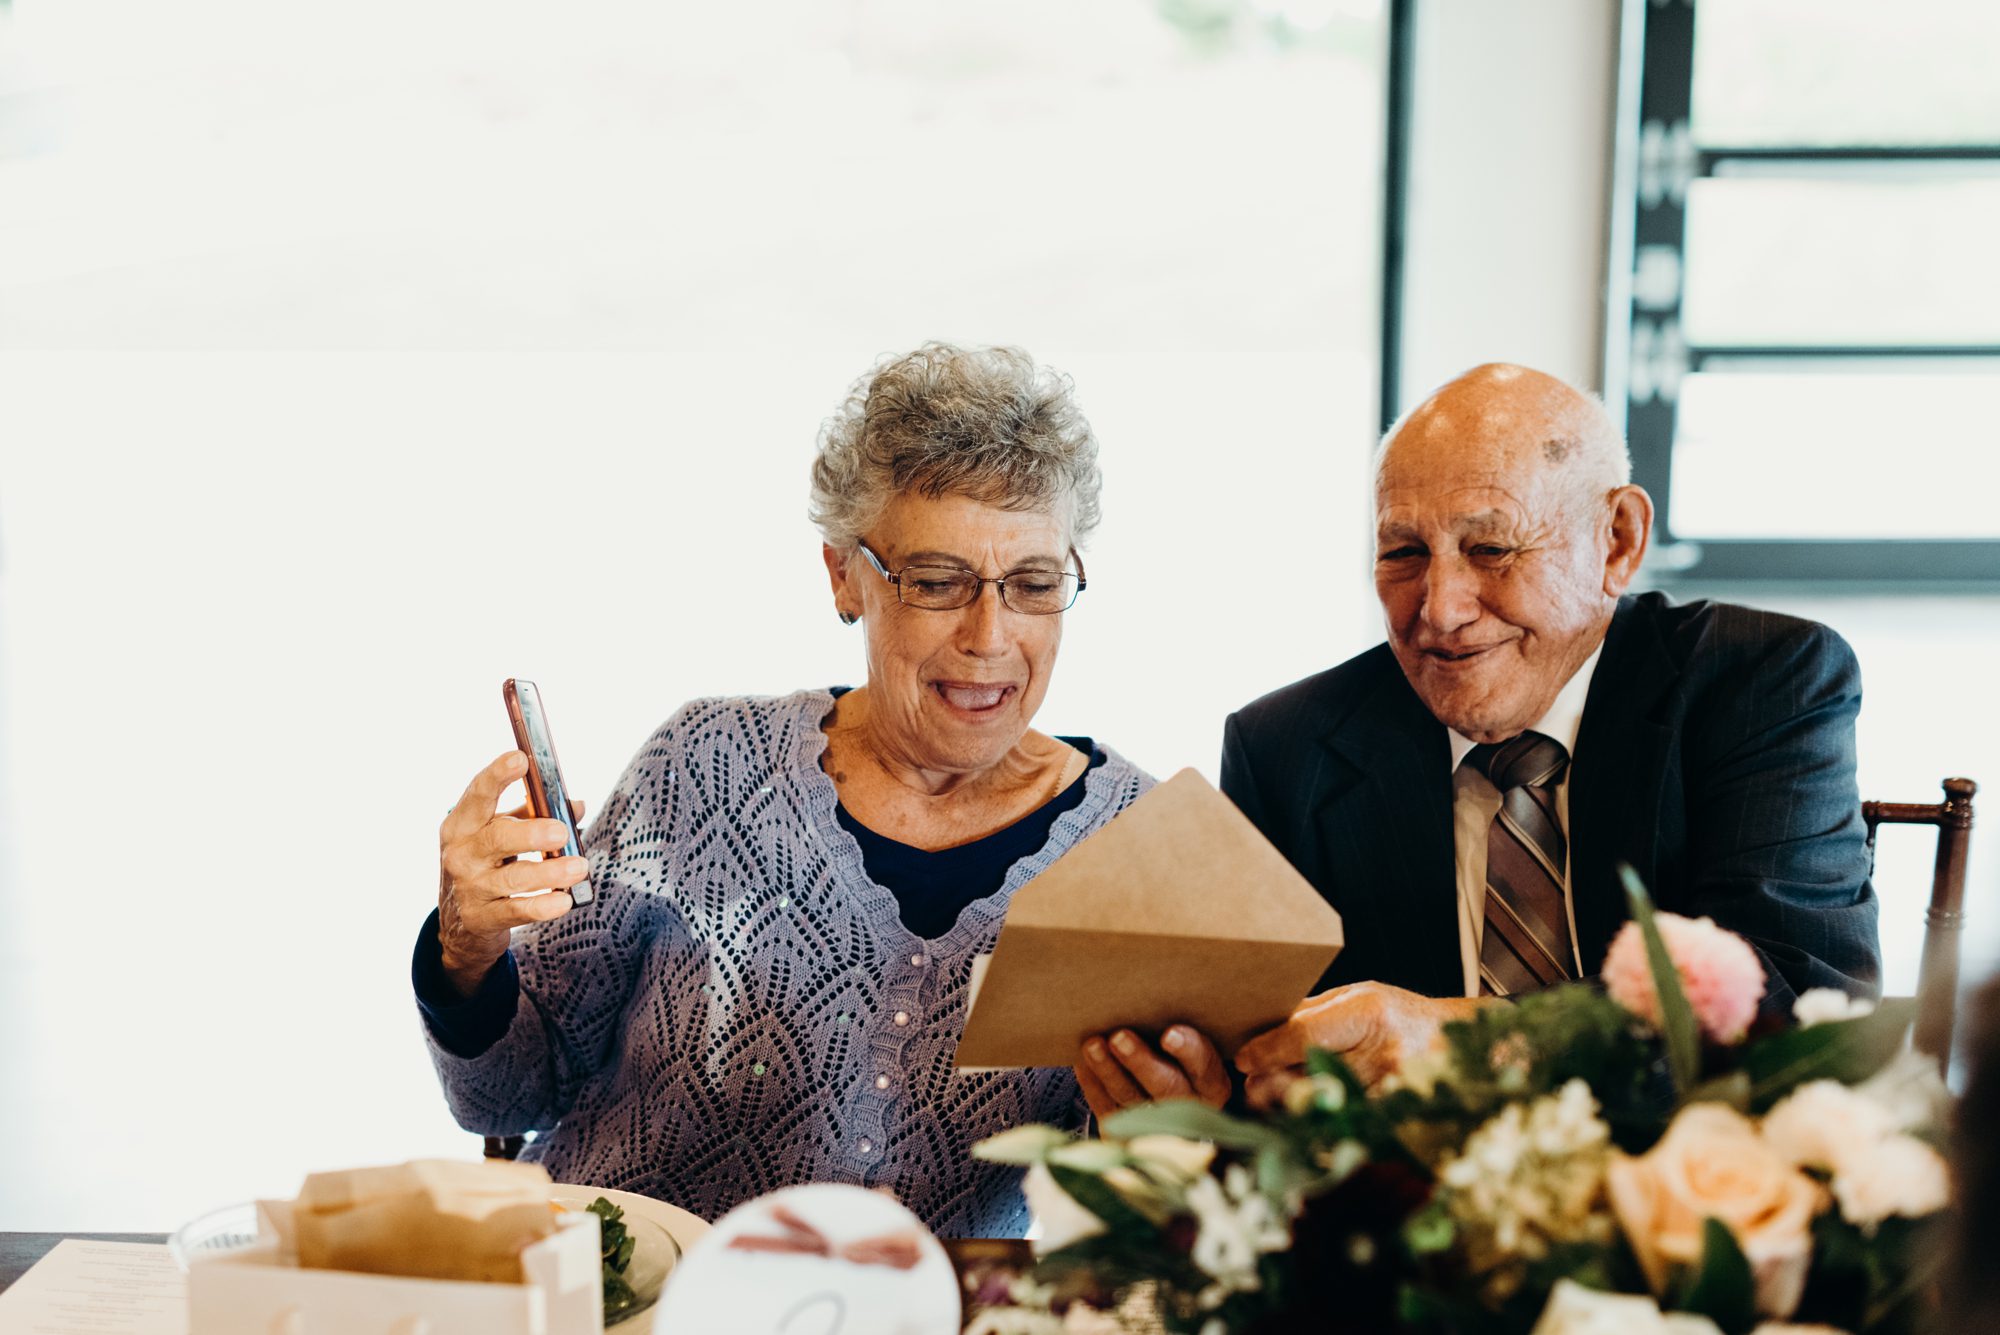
[969, 697]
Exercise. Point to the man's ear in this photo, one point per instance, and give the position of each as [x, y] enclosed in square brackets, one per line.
[1631, 530]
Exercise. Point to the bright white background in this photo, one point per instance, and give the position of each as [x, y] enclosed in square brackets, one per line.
[356, 356]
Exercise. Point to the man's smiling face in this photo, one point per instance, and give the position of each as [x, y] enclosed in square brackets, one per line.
[1490, 559]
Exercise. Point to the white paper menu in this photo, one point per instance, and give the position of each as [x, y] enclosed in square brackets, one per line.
[98, 1288]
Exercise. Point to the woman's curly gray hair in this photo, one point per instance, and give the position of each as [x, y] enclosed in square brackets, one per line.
[986, 423]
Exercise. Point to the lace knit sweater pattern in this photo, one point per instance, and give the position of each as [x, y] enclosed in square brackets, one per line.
[742, 1009]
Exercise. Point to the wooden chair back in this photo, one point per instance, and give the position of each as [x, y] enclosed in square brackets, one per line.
[1937, 976]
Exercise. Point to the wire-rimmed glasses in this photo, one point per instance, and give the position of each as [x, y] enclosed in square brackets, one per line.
[1037, 593]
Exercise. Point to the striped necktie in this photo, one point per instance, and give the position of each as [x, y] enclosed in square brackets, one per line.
[1526, 944]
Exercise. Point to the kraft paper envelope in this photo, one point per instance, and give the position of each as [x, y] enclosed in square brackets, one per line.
[1177, 910]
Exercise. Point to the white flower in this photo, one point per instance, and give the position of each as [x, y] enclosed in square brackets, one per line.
[1421, 1072]
[1576, 1310]
[1021, 1144]
[1821, 1005]
[1901, 1176]
[1236, 1225]
[1912, 1091]
[1015, 1321]
[1825, 1124]
[1061, 1219]
[1532, 1175]
[1308, 1093]
[1855, 1134]
[1173, 1156]
[1341, 1158]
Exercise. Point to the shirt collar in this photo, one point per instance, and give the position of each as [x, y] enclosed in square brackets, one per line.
[1564, 719]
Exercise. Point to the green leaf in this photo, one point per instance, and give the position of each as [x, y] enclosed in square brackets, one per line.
[1320, 1061]
[1023, 1145]
[1094, 1195]
[618, 1296]
[1190, 1120]
[1732, 1089]
[1677, 1024]
[1278, 1174]
[1089, 1156]
[1721, 1288]
[1843, 1050]
[1430, 1229]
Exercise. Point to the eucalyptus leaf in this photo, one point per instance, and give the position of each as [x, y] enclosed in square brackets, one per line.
[1089, 1156]
[1278, 1174]
[1191, 1120]
[1677, 1025]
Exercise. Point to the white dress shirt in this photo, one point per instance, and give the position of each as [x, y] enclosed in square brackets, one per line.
[1475, 802]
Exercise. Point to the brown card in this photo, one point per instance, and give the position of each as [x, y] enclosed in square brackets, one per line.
[1177, 910]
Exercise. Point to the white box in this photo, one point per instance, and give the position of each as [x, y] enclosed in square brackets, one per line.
[260, 1291]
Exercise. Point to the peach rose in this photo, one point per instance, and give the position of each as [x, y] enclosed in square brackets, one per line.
[1712, 1164]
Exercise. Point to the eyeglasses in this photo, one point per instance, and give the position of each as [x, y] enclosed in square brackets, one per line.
[1036, 593]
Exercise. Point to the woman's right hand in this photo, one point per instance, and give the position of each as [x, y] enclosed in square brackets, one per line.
[479, 877]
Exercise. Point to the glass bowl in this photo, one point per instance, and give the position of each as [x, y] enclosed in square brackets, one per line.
[654, 1255]
[233, 1228]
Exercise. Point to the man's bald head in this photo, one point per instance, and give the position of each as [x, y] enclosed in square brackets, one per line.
[1506, 529]
[1520, 421]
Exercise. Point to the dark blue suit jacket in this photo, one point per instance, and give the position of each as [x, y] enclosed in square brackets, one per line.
[1716, 756]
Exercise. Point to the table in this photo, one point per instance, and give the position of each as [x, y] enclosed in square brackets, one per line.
[18, 1251]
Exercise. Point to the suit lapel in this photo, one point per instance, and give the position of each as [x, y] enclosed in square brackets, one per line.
[1615, 787]
[1386, 832]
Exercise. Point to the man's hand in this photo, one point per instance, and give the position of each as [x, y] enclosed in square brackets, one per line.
[1375, 1028]
[1121, 1069]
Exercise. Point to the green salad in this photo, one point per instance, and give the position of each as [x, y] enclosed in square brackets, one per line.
[616, 1241]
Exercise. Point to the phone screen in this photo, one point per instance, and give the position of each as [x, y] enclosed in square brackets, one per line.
[547, 796]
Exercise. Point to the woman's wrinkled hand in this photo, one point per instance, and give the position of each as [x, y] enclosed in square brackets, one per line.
[484, 891]
[1121, 1069]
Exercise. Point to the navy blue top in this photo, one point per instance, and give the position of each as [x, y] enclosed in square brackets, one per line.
[932, 887]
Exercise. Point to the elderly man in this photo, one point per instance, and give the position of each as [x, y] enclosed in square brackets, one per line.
[1464, 793]
[1426, 787]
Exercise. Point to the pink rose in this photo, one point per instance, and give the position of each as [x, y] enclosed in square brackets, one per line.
[1719, 973]
[1712, 1164]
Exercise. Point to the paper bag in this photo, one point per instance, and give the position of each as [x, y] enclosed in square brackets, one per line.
[434, 1218]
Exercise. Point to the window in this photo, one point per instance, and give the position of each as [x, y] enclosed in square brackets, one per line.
[1815, 296]
[356, 356]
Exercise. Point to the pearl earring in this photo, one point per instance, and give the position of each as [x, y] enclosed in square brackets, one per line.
[848, 618]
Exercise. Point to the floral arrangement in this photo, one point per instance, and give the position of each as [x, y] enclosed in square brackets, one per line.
[1637, 1156]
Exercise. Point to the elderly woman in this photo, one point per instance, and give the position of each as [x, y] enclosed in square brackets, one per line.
[771, 980]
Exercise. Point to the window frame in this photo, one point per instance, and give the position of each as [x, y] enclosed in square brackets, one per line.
[1657, 124]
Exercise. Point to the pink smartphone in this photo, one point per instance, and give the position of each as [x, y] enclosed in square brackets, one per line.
[547, 797]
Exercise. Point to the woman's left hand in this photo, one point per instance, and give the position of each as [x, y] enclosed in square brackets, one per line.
[1120, 1069]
